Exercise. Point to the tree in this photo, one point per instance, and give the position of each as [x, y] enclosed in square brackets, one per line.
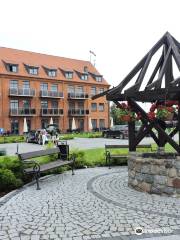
[115, 114]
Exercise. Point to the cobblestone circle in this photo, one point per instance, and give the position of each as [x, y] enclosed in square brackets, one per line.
[94, 204]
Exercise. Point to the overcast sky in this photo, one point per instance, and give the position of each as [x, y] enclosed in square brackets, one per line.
[119, 32]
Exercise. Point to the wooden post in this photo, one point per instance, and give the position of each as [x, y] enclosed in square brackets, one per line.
[131, 129]
[178, 127]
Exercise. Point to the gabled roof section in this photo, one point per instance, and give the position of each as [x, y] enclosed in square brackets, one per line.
[50, 62]
[154, 85]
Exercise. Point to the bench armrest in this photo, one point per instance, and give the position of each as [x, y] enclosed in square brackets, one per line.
[36, 166]
[72, 157]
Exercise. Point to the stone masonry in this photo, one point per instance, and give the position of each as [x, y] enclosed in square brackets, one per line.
[153, 175]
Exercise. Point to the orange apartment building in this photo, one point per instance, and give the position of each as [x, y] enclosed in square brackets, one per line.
[39, 86]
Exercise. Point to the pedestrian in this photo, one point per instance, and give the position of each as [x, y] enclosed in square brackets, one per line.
[43, 137]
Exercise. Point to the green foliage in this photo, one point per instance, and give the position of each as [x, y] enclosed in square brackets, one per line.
[8, 180]
[66, 137]
[11, 139]
[95, 135]
[13, 164]
[116, 114]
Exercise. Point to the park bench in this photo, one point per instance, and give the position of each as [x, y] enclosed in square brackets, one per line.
[36, 169]
[109, 155]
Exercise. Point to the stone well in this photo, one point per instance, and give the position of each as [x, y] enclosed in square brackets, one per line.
[154, 173]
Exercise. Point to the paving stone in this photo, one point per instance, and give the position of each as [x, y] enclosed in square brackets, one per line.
[93, 204]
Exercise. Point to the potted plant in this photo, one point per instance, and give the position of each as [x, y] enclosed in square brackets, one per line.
[164, 112]
[126, 113]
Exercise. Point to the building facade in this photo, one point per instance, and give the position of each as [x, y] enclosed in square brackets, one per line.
[39, 87]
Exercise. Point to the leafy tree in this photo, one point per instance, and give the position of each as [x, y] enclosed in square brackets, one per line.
[115, 114]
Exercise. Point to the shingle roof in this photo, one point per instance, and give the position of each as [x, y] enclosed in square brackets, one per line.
[23, 58]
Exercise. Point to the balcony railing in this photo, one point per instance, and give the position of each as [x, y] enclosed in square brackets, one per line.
[51, 112]
[51, 94]
[22, 111]
[23, 92]
[78, 112]
[78, 95]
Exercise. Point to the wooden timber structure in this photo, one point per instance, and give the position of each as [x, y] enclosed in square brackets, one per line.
[160, 87]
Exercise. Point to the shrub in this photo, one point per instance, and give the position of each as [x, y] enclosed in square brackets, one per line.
[80, 158]
[13, 164]
[8, 180]
[95, 135]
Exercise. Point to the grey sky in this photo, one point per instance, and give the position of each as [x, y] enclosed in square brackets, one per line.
[120, 32]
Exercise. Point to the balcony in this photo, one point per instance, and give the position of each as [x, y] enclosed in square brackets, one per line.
[22, 112]
[22, 92]
[51, 94]
[78, 112]
[51, 112]
[78, 96]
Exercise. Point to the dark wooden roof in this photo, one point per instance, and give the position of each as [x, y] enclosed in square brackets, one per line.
[153, 89]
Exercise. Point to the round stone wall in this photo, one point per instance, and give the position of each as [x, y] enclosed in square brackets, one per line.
[154, 175]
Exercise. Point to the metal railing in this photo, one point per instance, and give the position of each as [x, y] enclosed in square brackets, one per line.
[22, 92]
[79, 112]
[51, 94]
[78, 95]
[22, 111]
[51, 111]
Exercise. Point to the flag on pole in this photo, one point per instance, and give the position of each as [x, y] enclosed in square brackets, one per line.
[92, 53]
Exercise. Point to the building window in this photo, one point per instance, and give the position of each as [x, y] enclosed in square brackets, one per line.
[101, 90]
[33, 70]
[84, 76]
[14, 84]
[93, 107]
[71, 89]
[94, 123]
[14, 104]
[101, 123]
[99, 78]
[44, 104]
[101, 107]
[93, 91]
[44, 86]
[54, 87]
[79, 89]
[54, 104]
[12, 68]
[26, 84]
[26, 104]
[52, 73]
[14, 126]
[69, 75]
[44, 123]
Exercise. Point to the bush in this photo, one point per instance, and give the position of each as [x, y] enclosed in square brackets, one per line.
[8, 180]
[13, 164]
[80, 158]
[66, 137]
[95, 135]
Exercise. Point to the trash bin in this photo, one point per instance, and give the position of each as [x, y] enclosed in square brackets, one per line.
[64, 149]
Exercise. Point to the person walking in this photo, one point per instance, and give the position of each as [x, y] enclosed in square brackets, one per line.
[43, 137]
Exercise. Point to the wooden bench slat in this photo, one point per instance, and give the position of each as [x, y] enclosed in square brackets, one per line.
[40, 153]
[50, 166]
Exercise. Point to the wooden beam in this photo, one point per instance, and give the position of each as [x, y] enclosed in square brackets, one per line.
[159, 63]
[157, 83]
[175, 50]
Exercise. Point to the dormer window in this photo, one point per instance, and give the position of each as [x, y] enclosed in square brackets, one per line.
[52, 73]
[33, 70]
[84, 76]
[12, 67]
[98, 78]
[69, 75]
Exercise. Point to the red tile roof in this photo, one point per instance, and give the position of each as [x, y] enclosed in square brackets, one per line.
[40, 60]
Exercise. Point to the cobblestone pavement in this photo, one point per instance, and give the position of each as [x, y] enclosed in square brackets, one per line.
[94, 204]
